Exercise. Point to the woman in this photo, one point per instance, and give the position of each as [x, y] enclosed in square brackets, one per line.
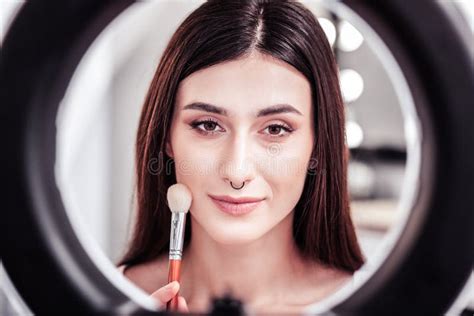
[245, 102]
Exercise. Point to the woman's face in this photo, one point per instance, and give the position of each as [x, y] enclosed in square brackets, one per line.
[257, 127]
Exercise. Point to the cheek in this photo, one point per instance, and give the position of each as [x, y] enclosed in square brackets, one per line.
[287, 182]
[194, 164]
[286, 172]
[286, 162]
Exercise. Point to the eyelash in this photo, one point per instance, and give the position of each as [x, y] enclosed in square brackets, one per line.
[195, 125]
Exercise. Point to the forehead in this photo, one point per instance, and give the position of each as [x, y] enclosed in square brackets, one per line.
[247, 84]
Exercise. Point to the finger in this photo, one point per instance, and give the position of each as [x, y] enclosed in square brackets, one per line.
[182, 305]
[166, 293]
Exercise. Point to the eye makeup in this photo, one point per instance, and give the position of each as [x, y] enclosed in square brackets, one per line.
[209, 125]
[206, 123]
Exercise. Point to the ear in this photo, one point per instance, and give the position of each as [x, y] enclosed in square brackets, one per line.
[168, 148]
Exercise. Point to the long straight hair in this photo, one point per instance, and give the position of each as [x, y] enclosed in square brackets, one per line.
[220, 31]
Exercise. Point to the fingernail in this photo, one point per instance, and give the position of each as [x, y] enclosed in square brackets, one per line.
[171, 285]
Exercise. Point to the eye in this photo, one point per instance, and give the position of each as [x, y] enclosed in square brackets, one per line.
[208, 126]
[275, 130]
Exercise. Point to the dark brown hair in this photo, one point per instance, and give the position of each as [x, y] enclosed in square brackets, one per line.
[227, 30]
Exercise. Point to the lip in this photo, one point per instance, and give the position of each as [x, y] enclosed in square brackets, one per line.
[243, 199]
[236, 206]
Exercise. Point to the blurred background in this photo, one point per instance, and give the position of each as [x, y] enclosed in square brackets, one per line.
[98, 119]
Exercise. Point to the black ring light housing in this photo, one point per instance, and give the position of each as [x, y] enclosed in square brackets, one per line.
[52, 272]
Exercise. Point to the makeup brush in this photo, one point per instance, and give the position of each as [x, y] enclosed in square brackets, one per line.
[179, 201]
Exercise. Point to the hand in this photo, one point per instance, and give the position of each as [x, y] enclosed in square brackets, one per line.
[167, 292]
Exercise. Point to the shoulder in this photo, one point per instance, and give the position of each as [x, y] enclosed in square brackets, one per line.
[335, 278]
[149, 276]
[324, 281]
[339, 275]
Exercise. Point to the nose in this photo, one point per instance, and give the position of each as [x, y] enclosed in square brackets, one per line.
[237, 163]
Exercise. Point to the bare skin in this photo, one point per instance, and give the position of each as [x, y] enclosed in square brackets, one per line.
[253, 255]
[151, 277]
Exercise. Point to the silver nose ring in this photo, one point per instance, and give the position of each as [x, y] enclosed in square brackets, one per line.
[243, 183]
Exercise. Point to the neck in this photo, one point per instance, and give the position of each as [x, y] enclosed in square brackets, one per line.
[253, 273]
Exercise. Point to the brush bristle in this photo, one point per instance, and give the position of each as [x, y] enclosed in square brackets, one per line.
[179, 198]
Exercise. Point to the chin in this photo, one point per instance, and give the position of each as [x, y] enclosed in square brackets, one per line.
[235, 235]
[228, 240]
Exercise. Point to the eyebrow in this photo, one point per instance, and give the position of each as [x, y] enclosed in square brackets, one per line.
[273, 109]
